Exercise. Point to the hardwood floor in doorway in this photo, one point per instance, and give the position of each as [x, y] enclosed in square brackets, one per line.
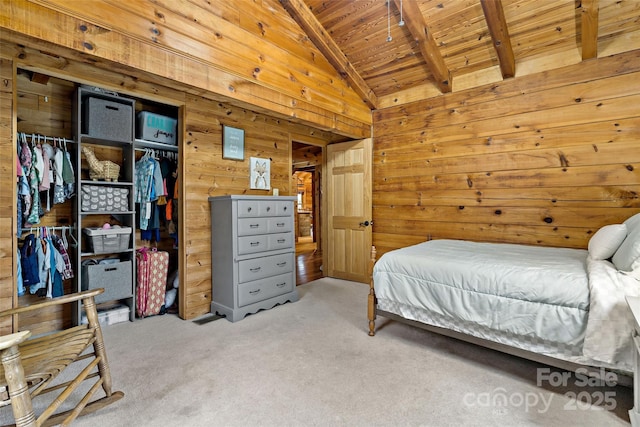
[308, 262]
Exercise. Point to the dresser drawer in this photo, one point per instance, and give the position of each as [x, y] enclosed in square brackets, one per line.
[255, 208]
[280, 224]
[253, 244]
[284, 208]
[260, 290]
[258, 268]
[280, 241]
[252, 226]
[248, 208]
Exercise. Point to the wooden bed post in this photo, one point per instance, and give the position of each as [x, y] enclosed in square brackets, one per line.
[372, 295]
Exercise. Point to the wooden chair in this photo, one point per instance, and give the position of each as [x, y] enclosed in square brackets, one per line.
[30, 366]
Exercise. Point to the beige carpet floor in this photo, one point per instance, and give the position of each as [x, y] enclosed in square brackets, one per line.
[311, 363]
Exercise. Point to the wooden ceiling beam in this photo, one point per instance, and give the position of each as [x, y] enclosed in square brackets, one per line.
[589, 35]
[301, 13]
[414, 20]
[494, 15]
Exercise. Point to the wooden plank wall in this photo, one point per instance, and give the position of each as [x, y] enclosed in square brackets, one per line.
[544, 159]
[252, 52]
[207, 174]
[7, 196]
[204, 171]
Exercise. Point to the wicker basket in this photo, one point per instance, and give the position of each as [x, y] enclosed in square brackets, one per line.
[110, 172]
[101, 169]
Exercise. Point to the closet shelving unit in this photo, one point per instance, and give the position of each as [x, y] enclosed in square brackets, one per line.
[120, 150]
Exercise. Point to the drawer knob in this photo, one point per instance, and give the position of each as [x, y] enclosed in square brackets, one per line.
[280, 224]
[254, 243]
[281, 240]
[255, 292]
[255, 269]
[281, 264]
[281, 285]
[254, 225]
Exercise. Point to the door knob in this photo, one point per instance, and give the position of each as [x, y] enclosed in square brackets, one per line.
[366, 223]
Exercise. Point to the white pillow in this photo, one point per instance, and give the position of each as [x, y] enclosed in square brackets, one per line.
[627, 257]
[606, 241]
[632, 223]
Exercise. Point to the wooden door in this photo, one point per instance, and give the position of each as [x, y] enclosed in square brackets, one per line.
[348, 207]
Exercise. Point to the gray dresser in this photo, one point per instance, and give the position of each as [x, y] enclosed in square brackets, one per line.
[252, 254]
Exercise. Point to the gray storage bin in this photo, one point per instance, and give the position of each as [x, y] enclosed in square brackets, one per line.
[116, 279]
[108, 119]
[108, 240]
[100, 198]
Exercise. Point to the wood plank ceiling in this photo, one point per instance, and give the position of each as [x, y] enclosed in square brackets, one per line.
[446, 45]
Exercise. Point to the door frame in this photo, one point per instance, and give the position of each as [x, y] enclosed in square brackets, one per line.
[320, 170]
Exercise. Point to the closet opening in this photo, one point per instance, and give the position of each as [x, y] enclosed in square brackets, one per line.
[92, 240]
[306, 186]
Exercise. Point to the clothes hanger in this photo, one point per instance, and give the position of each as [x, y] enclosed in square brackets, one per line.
[65, 243]
[73, 237]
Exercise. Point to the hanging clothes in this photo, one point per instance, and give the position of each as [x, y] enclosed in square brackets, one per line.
[143, 187]
[67, 173]
[19, 281]
[44, 262]
[19, 206]
[148, 188]
[57, 265]
[24, 151]
[35, 172]
[41, 166]
[44, 267]
[51, 265]
[58, 166]
[48, 154]
[29, 261]
[44, 168]
[62, 248]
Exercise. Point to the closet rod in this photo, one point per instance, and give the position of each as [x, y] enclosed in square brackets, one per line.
[46, 138]
[158, 149]
[52, 228]
[69, 228]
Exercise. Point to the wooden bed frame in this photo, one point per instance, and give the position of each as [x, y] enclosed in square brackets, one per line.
[373, 311]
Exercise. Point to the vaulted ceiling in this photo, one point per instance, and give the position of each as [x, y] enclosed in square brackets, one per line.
[396, 50]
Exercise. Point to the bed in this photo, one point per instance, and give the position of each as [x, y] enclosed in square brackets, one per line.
[559, 306]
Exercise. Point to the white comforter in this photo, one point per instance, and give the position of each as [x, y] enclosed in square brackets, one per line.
[535, 298]
[610, 324]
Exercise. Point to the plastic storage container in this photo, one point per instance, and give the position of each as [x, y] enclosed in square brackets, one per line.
[154, 127]
[117, 314]
[108, 240]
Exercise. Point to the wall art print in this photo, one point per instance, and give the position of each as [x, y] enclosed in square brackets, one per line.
[232, 143]
[260, 173]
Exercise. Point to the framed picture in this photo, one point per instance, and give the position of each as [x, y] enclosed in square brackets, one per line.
[260, 173]
[232, 143]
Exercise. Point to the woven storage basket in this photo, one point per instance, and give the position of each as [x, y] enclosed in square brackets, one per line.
[109, 172]
[100, 169]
